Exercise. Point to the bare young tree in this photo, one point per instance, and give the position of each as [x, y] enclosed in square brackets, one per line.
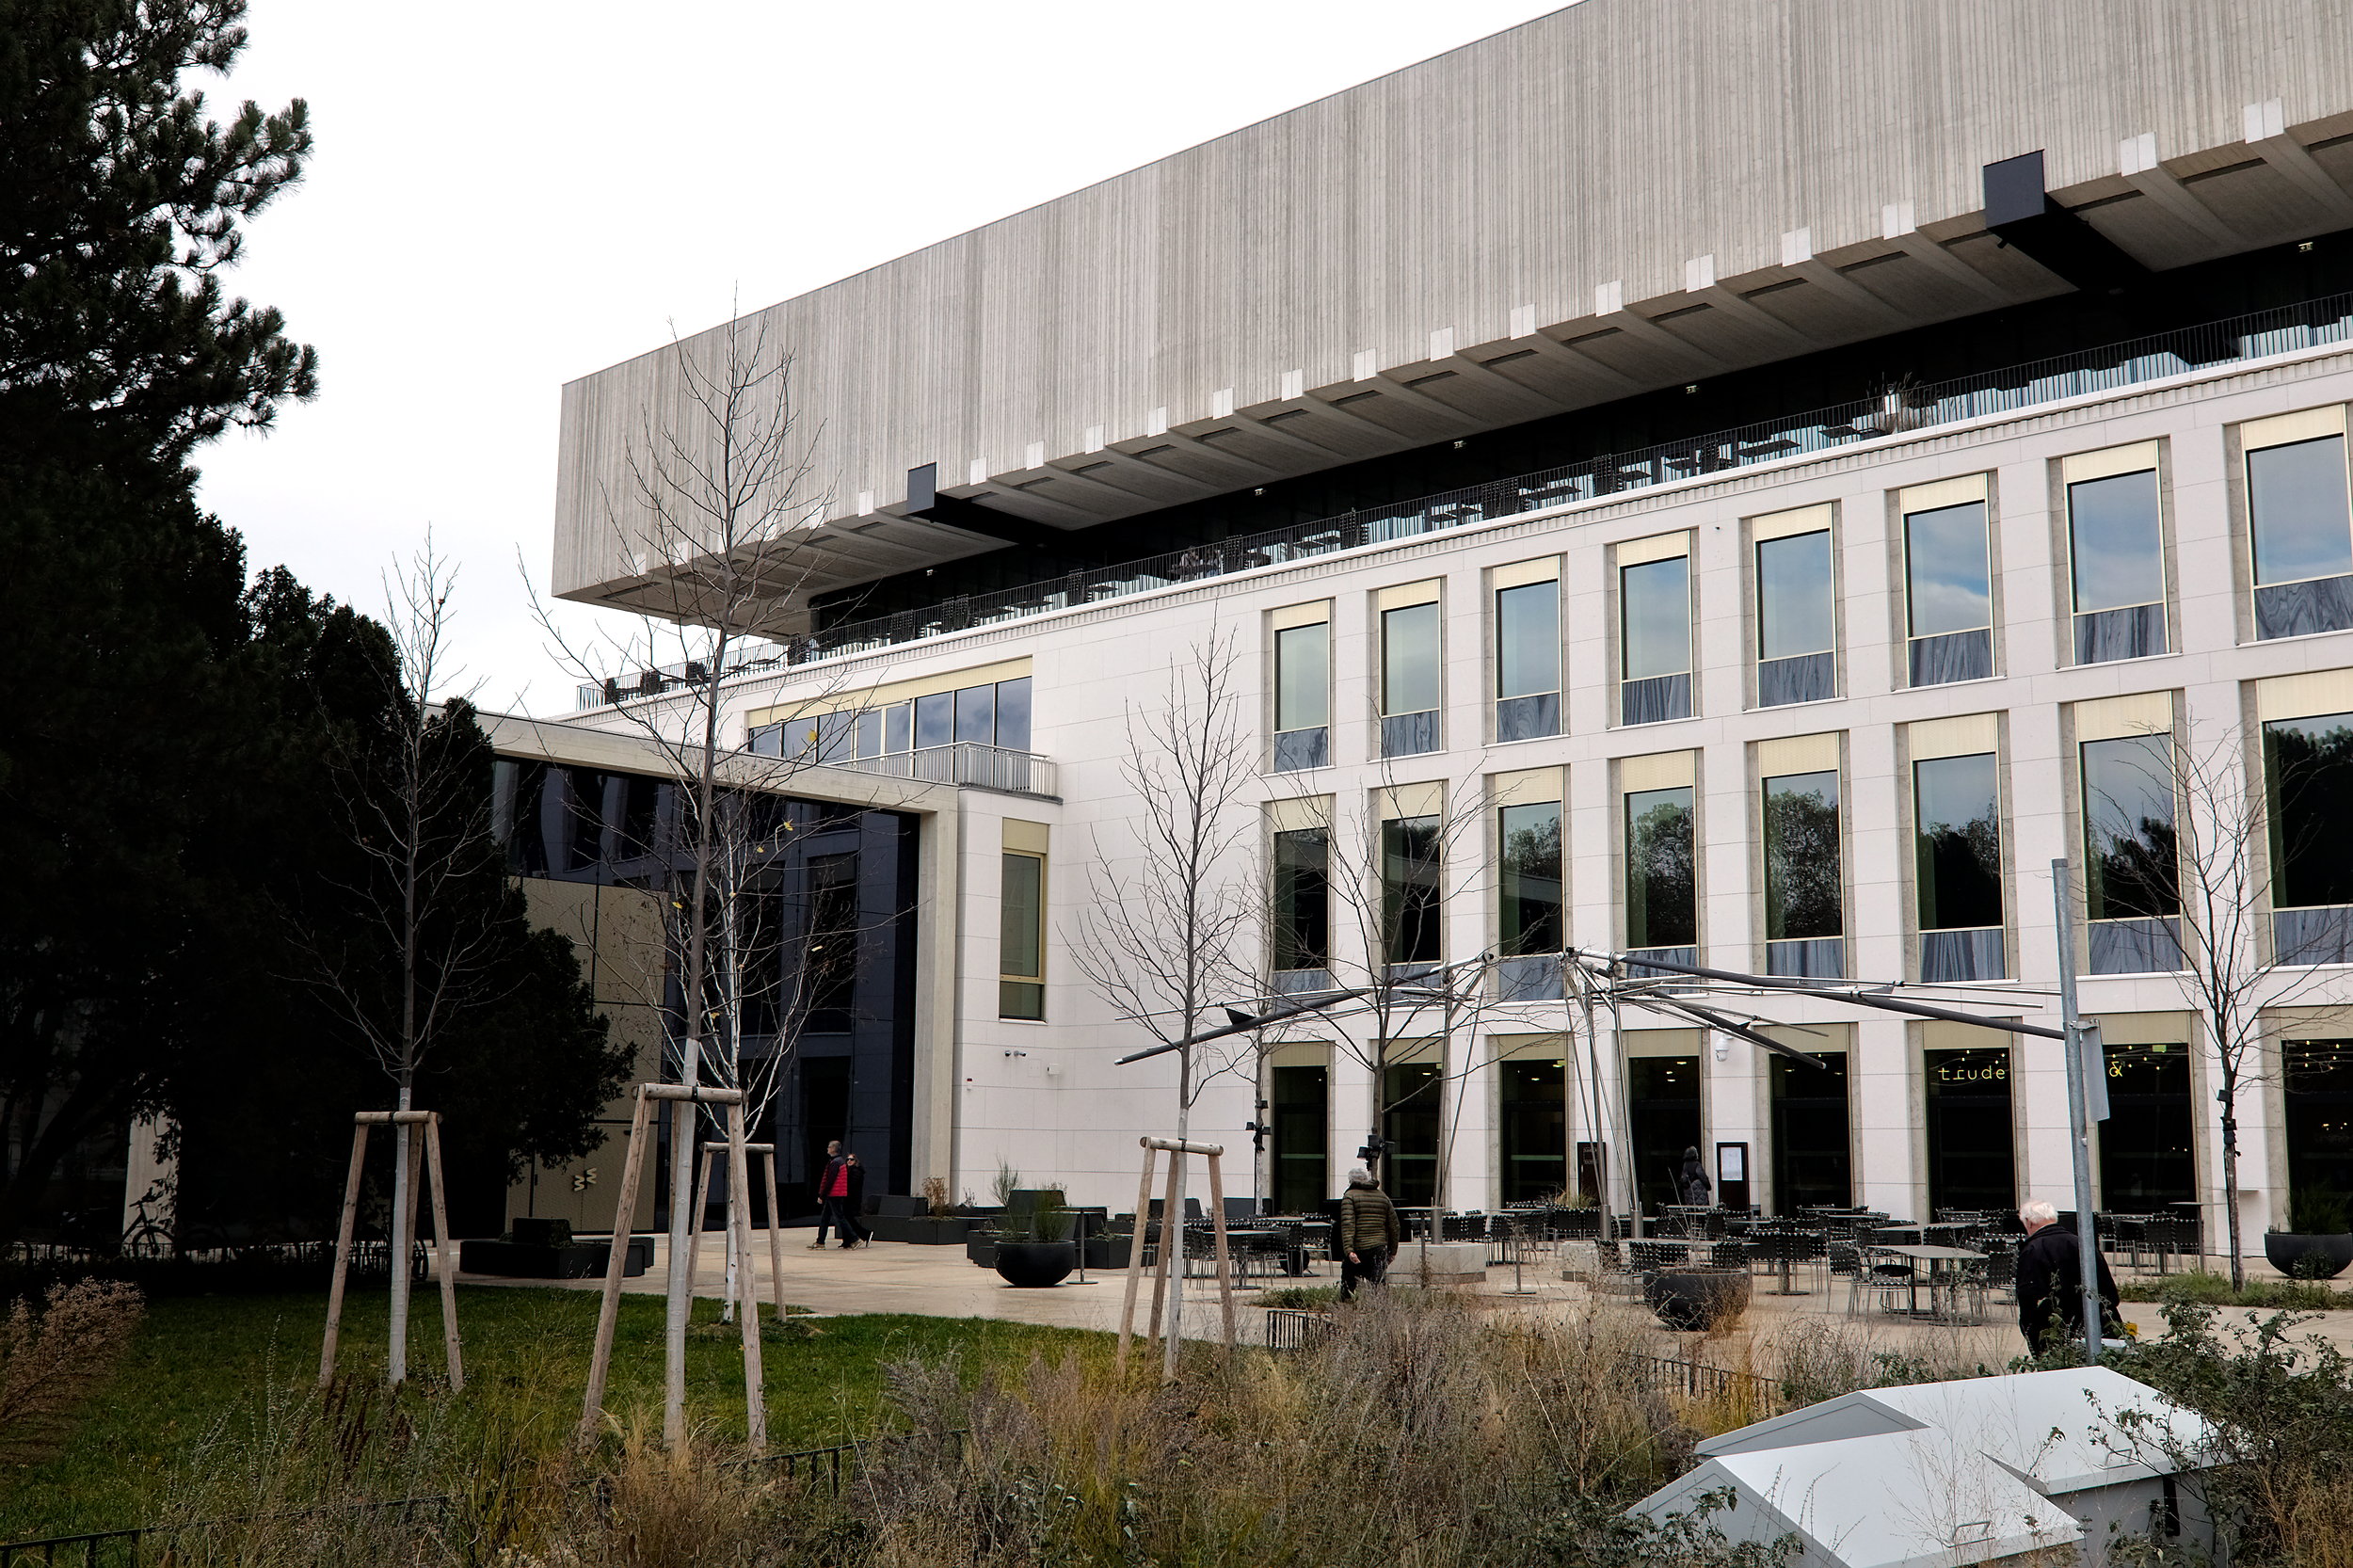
[718, 488]
[421, 823]
[1171, 930]
[1391, 886]
[2232, 963]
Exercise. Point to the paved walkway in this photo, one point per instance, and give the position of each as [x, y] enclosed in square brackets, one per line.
[938, 1282]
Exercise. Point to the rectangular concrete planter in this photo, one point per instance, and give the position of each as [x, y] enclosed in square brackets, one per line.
[1439, 1264]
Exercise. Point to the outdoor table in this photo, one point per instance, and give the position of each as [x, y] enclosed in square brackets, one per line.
[1943, 1265]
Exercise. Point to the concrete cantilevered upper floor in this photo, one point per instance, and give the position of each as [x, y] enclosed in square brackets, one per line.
[1614, 198]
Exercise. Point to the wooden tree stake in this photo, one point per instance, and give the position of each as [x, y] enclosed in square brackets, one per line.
[427, 1151]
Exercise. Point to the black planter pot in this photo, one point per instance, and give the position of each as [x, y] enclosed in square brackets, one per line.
[2321, 1256]
[1033, 1265]
[1691, 1300]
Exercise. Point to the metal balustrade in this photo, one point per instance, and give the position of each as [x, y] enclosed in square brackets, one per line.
[1905, 409]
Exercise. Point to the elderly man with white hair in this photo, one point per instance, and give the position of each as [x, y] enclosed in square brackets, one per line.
[2050, 1282]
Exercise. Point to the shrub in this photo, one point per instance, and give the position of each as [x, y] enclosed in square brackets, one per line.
[53, 1360]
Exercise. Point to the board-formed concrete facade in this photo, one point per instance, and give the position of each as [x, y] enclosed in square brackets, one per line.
[1646, 193]
[1528, 172]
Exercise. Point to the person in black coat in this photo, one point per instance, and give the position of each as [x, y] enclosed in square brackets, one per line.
[1696, 1189]
[2050, 1282]
[851, 1217]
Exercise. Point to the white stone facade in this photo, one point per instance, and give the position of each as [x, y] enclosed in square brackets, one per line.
[1048, 1097]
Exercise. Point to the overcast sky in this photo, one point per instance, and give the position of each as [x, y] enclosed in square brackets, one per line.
[508, 196]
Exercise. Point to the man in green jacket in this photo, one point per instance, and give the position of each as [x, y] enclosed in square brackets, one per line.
[1368, 1233]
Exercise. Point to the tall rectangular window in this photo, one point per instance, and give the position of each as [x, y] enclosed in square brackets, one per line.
[1956, 854]
[1412, 896]
[1661, 881]
[1663, 1119]
[1949, 594]
[1300, 1100]
[1021, 937]
[1655, 640]
[1302, 907]
[1971, 1148]
[934, 720]
[1528, 916]
[2308, 786]
[1303, 696]
[1528, 661]
[1805, 917]
[1413, 1097]
[2147, 1145]
[2115, 566]
[1409, 680]
[2300, 525]
[976, 715]
[2130, 869]
[1813, 1159]
[1013, 714]
[1796, 620]
[1532, 1096]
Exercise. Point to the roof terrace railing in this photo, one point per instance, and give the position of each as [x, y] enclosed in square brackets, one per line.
[1906, 407]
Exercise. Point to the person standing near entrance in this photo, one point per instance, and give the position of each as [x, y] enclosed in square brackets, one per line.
[826, 1218]
[2050, 1282]
[850, 1218]
[1368, 1233]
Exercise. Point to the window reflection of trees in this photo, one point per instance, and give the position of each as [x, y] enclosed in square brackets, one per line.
[2131, 857]
[1662, 885]
[1803, 899]
[1958, 843]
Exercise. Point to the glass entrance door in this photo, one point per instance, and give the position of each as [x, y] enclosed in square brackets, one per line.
[1972, 1156]
[1301, 1102]
[1812, 1157]
[1410, 1094]
[2318, 1089]
[1535, 1127]
[2145, 1154]
[1663, 1115]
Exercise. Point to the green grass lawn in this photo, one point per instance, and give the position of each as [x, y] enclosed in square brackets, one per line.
[205, 1369]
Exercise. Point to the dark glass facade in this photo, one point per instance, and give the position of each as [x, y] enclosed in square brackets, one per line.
[2146, 1159]
[825, 949]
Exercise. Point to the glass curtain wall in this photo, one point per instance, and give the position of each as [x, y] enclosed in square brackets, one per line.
[1805, 920]
[1410, 1097]
[1662, 1120]
[2132, 893]
[1021, 945]
[1655, 645]
[1410, 668]
[1303, 696]
[1300, 1098]
[1303, 909]
[1948, 595]
[1956, 828]
[1532, 1093]
[2301, 527]
[2145, 1157]
[2115, 556]
[1412, 894]
[1972, 1152]
[1796, 620]
[1528, 661]
[1661, 874]
[1813, 1154]
[2308, 782]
